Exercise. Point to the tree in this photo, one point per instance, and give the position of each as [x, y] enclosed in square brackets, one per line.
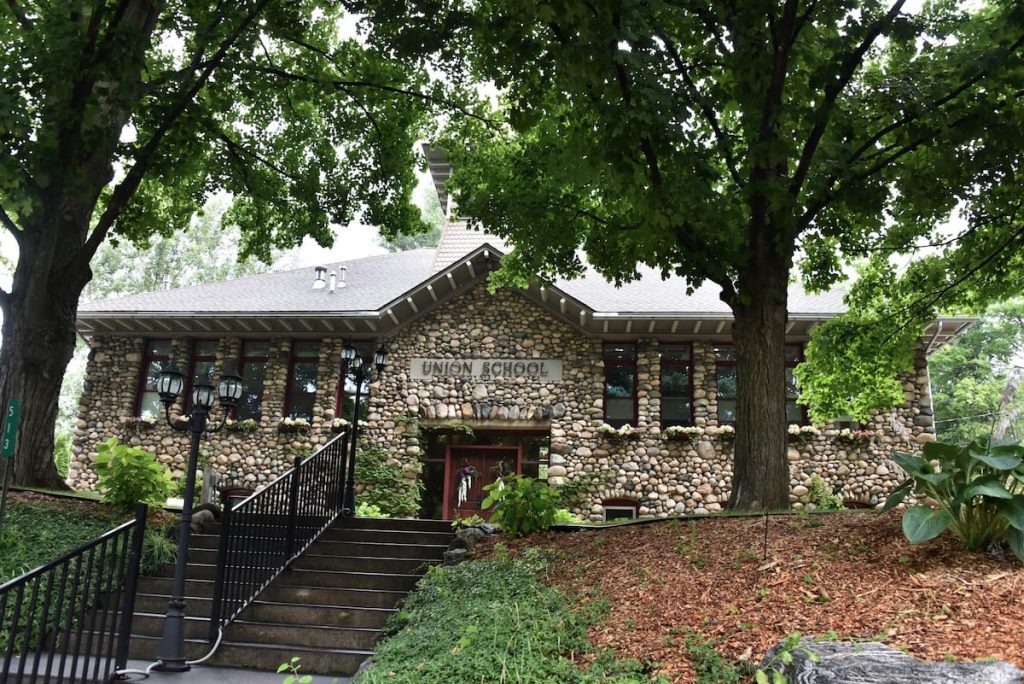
[426, 199]
[122, 118]
[724, 142]
[970, 376]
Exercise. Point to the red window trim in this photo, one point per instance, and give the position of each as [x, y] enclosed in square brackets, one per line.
[187, 398]
[244, 359]
[616, 362]
[672, 363]
[292, 358]
[147, 358]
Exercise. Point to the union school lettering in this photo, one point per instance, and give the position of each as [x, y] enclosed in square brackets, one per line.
[487, 369]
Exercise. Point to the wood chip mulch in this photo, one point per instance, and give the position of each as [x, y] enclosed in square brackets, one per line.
[853, 573]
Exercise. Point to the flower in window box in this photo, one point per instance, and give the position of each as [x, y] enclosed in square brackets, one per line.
[293, 425]
[181, 420]
[339, 425]
[848, 435]
[626, 430]
[726, 432]
[687, 432]
[802, 433]
[138, 423]
[246, 425]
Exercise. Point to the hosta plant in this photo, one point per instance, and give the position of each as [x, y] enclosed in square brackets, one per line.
[522, 504]
[977, 493]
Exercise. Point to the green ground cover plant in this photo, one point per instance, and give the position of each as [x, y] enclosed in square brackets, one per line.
[494, 620]
[386, 485]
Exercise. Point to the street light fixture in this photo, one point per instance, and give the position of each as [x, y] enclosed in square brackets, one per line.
[169, 384]
[362, 370]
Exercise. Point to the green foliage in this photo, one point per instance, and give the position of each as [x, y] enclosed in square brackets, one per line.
[469, 521]
[523, 506]
[157, 551]
[386, 485]
[709, 665]
[129, 475]
[563, 516]
[492, 620]
[978, 489]
[34, 535]
[429, 204]
[576, 492]
[822, 496]
[292, 667]
[62, 453]
[784, 656]
[368, 510]
[970, 377]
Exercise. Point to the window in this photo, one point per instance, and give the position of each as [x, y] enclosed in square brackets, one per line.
[252, 366]
[619, 509]
[676, 385]
[725, 374]
[156, 356]
[619, 384]
[795, 414]
[302, 369]
[201, 367]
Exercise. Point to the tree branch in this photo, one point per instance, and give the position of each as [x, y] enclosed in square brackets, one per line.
[11, 226]
[127, 187]
[20, 15]
[243, 151]
[706, 110]
[832, 91]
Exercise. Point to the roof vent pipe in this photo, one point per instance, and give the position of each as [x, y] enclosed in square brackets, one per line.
[342, 270]
[319, 283]
[333, 282]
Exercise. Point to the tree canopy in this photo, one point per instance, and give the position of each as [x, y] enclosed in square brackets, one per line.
[731, 142]
[122, 118]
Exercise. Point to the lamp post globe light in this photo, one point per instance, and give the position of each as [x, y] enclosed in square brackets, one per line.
[169, 384]
[361, 369]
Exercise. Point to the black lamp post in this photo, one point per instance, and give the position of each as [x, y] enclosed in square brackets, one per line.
[169, 385]
[361, 369]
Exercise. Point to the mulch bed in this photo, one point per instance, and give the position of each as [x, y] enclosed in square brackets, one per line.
[852, 573]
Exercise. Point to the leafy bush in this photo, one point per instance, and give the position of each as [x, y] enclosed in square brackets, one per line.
[62, 453]
[492, 620]
[368, 510]
[563, 516]
[157, 551]
[468, 521]
[522, 506]
[386, 485]
[129, 475]
[978, 490]
[823, 497]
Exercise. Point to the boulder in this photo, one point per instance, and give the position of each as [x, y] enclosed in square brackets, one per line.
[842, 662]
[454, 556]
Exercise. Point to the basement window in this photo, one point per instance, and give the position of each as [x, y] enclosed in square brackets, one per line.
[619, 509]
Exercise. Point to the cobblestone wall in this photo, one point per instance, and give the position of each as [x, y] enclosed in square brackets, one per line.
[663, 476]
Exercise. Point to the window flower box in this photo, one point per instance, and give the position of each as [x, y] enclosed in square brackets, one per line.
[293, 425]
[138, 423]
[240, 426]
[802, 433]
[339, 425]
[678, 433]
[623, 432]
[856, 436]
[727, 432]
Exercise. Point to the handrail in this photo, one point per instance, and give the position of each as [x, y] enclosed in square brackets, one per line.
[75, 611]
[264, 533]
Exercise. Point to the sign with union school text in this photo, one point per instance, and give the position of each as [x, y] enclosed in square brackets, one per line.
[545, 370]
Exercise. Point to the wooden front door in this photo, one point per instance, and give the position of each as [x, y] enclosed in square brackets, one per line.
[484, 464]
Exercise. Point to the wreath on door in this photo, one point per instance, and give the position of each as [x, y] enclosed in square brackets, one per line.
[466, 473]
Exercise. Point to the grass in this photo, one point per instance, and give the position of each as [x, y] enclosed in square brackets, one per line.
[495, 620]
[35, 534]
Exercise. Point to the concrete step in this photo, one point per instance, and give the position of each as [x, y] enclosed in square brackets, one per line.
[162, 585]
[310, 636]
[416, 524]
[310, 561]
[365, 549]
[364, 598]
[357, 534]
[297, 577]
[157, 604]
[152, 624]
[327, 616]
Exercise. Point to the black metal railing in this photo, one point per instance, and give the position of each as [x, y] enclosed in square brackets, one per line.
[71, 619]
[261, 535]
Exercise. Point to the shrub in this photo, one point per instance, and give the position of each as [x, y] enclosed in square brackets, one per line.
[492, 620]
[129, 475]
[368, 510]
[62, 453]
[822, 496]
[563, 516]
[157, 551]
[386, 485]
[978, 492]
[522, 504]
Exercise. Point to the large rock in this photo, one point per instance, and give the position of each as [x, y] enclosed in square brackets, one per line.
[843, 662]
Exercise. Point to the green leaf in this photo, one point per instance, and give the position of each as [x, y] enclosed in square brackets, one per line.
[1000, 458]
[761, 677]
[1016, 539]
[941, 452]
[922, 523]
[1013, 510]
[898, 495]
[989, 485]
[914, 465]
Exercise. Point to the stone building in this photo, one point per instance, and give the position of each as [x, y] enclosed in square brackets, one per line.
[628, 392]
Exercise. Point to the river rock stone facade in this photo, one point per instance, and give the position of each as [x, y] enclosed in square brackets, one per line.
[663, 476]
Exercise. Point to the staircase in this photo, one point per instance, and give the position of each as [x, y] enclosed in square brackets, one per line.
[328, 609]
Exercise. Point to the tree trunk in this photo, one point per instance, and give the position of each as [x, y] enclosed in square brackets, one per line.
[38, 342]
[760, 478]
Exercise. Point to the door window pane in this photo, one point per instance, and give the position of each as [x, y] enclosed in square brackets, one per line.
[156, 357]
[302, 387]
